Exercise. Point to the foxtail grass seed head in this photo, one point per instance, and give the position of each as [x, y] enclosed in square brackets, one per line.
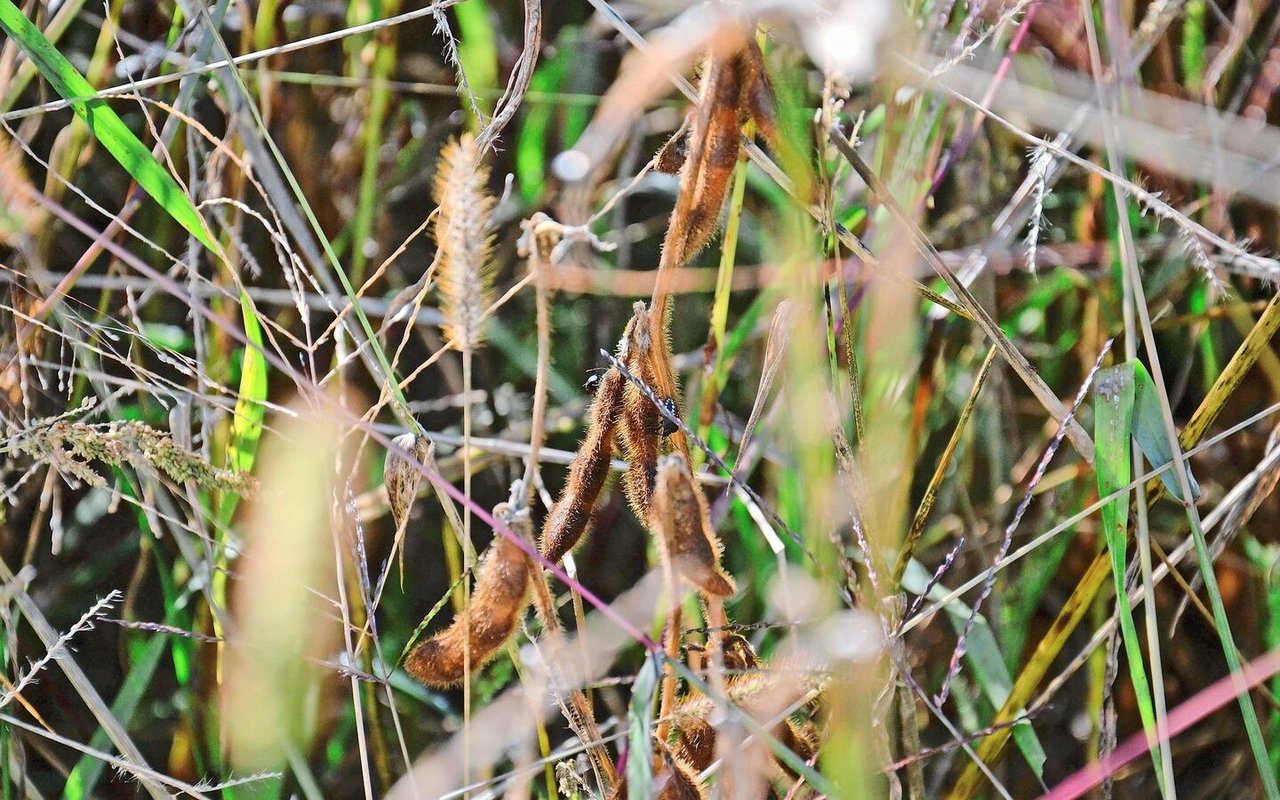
[479, 632]
[464, 241]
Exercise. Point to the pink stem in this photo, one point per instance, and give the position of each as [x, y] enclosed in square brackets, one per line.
[1201, 705]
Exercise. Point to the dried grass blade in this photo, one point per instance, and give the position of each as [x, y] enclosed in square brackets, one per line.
[939, 473]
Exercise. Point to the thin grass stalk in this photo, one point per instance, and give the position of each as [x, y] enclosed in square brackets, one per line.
[357, 701]
[1132, 294]
[1205, 562]
[536, 434]
[467, 544]
[1019, 363]
[916, 529]
[466, 277]
[1134, 279]
[577, 711]
[375, 115]
[1097, 572]
[101, 712]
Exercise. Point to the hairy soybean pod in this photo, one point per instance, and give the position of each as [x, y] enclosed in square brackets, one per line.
[680, 518]
[587, 474]
[642, 423]
[480, 631]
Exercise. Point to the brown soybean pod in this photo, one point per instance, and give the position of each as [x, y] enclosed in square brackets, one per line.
[642, 423]
[501, 592]
[682, 522]
[587, 474]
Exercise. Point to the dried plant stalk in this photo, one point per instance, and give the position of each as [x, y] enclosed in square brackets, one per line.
[476, 635]
[587, 474]
[682, 523]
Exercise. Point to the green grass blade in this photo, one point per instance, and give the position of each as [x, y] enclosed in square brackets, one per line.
[478, 50]
[1192, 51]
[640, 730]
[1148, 431]
[81, 781]
[1262, 559]
[106, 125]
[715, 382]
[533, 137]
[1113, 435]
[246, 426]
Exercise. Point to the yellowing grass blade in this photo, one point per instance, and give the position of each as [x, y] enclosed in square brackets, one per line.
[246, 426]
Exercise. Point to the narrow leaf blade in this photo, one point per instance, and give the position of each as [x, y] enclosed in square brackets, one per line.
[1148, 430]
[104, 123]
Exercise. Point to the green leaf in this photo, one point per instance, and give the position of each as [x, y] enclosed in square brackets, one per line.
[1148, 430]
[640, 732]
[105, 124]
[1113, 418]
[251, 409]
